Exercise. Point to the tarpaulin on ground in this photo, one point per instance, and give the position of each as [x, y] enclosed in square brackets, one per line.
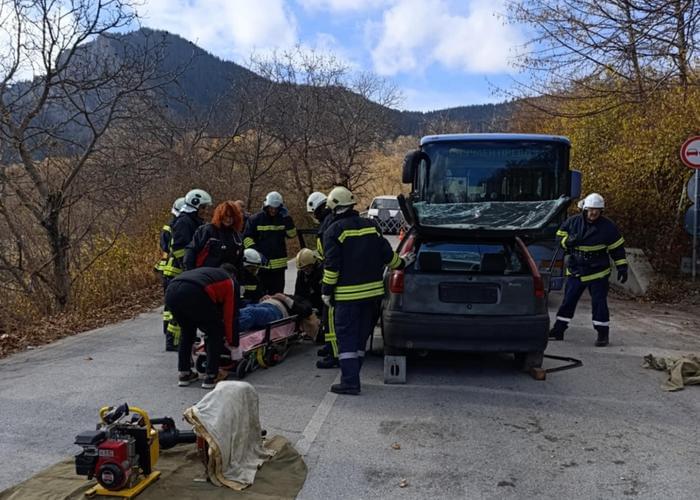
[183, 477]
[682, 371]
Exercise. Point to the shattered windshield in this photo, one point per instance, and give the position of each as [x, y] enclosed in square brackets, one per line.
[505, 185]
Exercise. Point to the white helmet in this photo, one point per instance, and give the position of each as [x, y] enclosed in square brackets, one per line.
[340, 197]
[593, 200]
[252, 257]
[195, 199]
[273, 199]
[315, 200]
[177, 206]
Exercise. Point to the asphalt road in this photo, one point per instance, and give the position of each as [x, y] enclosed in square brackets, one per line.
[465, 426]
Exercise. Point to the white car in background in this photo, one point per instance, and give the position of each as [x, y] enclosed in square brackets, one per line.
[386, 211]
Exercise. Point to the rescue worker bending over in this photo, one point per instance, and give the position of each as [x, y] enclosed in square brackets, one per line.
[204, 298]
[252, 262]
[218, 241]
[355, 256]
[266, 232]
[162, 267]
[590, 241]
[197, 207]
[308, 281]
[316, 204]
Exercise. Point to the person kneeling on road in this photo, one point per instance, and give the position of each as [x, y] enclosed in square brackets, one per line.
[204, 298]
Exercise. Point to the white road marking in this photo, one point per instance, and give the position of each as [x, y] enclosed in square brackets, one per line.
[317, 420]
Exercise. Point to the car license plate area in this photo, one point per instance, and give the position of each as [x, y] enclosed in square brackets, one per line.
[468, 293]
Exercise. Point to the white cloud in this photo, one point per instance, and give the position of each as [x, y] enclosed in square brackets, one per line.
[227, 28]
[414, 34]
[343, 5]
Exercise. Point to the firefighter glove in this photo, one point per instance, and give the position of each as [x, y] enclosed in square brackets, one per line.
[326, 300]
[622, 275]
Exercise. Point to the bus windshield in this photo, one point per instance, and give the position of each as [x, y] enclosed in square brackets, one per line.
[513, 184]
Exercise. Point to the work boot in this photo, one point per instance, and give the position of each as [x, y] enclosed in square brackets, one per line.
[345, 389]
[186, 378]
[170, 343]
[557, 331]
[327, 363]
[602, 339]
[210, 381]
[324, 351]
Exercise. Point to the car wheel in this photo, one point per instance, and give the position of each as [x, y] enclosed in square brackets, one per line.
[526, 361]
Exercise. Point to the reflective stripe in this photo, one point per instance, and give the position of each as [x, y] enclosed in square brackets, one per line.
[319, 247]
[348, 355]
[330, 335]
[277, 263]
[591, 277]
[357, 232]
[562, 233]
[359, 295]
[167, 315]
[330, 277]
[563, 242]
[250, 287]
[562, 318]
[359, 288]
[601, 323]
[620, 262]
[592, 248]
[361, 354]
[292, 233]
[178, 254]
[395, 261]
[271, 228]
[618, 243]
[170, 270]
[167, 229]
[248, 242]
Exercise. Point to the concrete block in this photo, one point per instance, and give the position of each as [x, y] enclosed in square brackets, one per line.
[640, 274]
[394, 369]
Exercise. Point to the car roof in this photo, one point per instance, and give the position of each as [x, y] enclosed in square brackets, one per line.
[385, 197]
[493, 137]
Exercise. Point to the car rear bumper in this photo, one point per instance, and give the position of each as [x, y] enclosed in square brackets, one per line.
[460, 333]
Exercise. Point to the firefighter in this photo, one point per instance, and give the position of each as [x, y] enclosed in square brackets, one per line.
[590, 241]
[316, 204]
[218, 241]
[309, 276]
[160, 267]
[266, 232]
[205, 298]
[252, 262]
[197, 207]
[355, 256]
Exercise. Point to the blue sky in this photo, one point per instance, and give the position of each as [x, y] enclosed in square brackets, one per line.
[439, 53]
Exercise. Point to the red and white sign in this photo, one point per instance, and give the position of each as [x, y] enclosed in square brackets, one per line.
[690, 152]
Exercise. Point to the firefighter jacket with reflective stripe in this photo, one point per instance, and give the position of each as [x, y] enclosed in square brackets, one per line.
[166, 234]
[326, 221]
[268, 234]
[223, 290]
[182, 232]
[590, 246]
[355, 256]
[250, 286]
[211, 247]
[308, 285]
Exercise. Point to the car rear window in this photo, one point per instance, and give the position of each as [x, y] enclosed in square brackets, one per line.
[388, 203]
[481, 258]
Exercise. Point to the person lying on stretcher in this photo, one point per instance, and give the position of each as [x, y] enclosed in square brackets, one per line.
[274, 308]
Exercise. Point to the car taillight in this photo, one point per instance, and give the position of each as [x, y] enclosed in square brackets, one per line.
[539, 286]
[408, 246]
[396, 282]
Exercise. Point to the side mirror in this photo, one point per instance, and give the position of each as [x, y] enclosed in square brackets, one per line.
[575, 184]
[409, 167]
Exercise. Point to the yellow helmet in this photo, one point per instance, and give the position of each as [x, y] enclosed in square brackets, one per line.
[305, 257]
[340, 197]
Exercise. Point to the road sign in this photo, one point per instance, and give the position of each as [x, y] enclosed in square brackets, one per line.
[693, 189]
[690, 219]
[690, 152]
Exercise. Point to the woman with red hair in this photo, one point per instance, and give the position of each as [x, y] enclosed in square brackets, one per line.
[219, 241]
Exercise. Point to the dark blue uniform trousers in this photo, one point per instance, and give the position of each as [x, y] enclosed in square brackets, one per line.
[354, 323]
[599, 301]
